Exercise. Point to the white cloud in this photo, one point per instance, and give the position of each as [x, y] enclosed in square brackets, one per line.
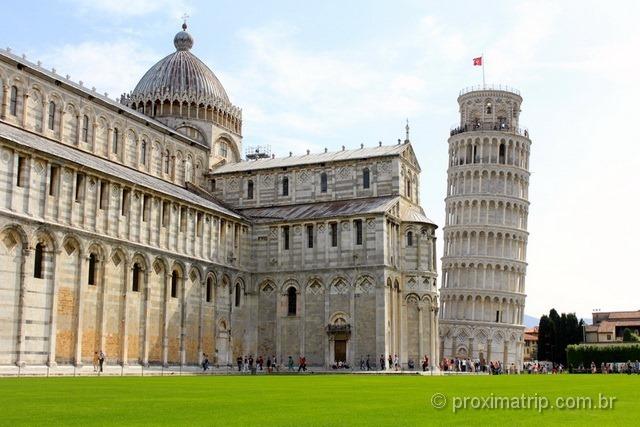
[112, 67]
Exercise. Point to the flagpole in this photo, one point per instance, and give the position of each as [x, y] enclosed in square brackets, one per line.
[483, 84]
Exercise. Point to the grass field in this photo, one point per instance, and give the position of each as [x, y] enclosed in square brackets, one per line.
[308, 400]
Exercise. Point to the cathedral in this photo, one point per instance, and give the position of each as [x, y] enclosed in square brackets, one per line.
[141, 228]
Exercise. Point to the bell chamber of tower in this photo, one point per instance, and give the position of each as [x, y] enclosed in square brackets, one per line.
[485, 233]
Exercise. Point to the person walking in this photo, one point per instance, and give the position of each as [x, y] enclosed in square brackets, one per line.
[268, 365]
[302, 364]
[368, 363]
[101, 358]
[290, 364]
[239, 362]
[96, 361]
[205, 362]
[382, 362]
[390, 362]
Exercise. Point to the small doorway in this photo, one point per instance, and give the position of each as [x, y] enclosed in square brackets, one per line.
[340, 350]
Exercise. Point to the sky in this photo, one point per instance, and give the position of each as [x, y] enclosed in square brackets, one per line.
[310, 75]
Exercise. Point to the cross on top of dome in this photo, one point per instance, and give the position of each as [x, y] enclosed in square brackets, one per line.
[183, 40]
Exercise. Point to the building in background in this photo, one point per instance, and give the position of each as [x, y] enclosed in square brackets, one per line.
[530, 344]
[136, 228]
[485, 234]
[609, 326]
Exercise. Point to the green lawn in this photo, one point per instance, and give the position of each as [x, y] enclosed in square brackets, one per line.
[306, 400]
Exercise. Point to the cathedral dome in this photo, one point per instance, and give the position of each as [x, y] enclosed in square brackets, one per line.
[180, 76]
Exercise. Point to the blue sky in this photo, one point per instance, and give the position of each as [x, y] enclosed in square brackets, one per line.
[311, 75]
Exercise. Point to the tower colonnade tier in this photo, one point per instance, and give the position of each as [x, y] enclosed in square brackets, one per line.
[485, 234]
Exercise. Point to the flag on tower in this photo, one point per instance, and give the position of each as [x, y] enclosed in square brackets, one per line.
[477, 61]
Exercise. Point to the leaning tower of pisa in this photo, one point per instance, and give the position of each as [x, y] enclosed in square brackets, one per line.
[485, 234]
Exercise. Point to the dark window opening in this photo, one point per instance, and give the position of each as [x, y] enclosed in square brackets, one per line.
[310, 236]
[323, 182]
[85, 128]
[410, 238]
[292, 301]
[21, 180]
[143, 153]
[53, 180]
[358, 226]
[285, 237]
[209, 289]
[238, 289]
[334, 234]
[38, 262]
[199, 224]
[13, 102]
[250, 190]
[174, 285]
[365, 178]
[135, 280]
[285, 186]
[93, 259]
[497, 316]
[104, 194]
[501, 153]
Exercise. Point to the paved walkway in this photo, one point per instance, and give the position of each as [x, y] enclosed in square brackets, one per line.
[139, 370]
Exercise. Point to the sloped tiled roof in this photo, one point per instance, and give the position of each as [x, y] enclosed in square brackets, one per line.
[309, 159]
[321, 209]
[56, 149]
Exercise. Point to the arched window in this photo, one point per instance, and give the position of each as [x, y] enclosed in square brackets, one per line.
[174, 284]
[114, 145]
[292, 302]
[13, 101]
[285, 186]
[135, 278]
[489, 109]
[188, 171]
[238, 290]
[85, 128]
[502, 153]
[38, 262]
[143, 152]
[410, 238]
[365, 178]
[323, 182]
[250, 189]
[223, 150]
[167, 160]
[209, 290]
[52, 115]
[93, 259]
[409, 188]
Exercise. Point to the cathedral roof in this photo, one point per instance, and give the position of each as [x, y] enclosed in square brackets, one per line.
[71, 154]
[181, 76]
[321, 209]
[308, 159]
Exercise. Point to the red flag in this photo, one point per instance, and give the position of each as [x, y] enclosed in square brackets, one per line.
[477, 61]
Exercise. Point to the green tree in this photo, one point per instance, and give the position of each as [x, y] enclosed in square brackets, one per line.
[555, 333]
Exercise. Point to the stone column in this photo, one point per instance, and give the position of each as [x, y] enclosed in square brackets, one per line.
[165, 320]
[147, 313]
[124, 351]
[82, 259]
[94, 126]
[102, 262]
[22, 306]
[109, 142]
[183, 320]
[53, 318]
[420, 307]
[200, 320]
[302, 316]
